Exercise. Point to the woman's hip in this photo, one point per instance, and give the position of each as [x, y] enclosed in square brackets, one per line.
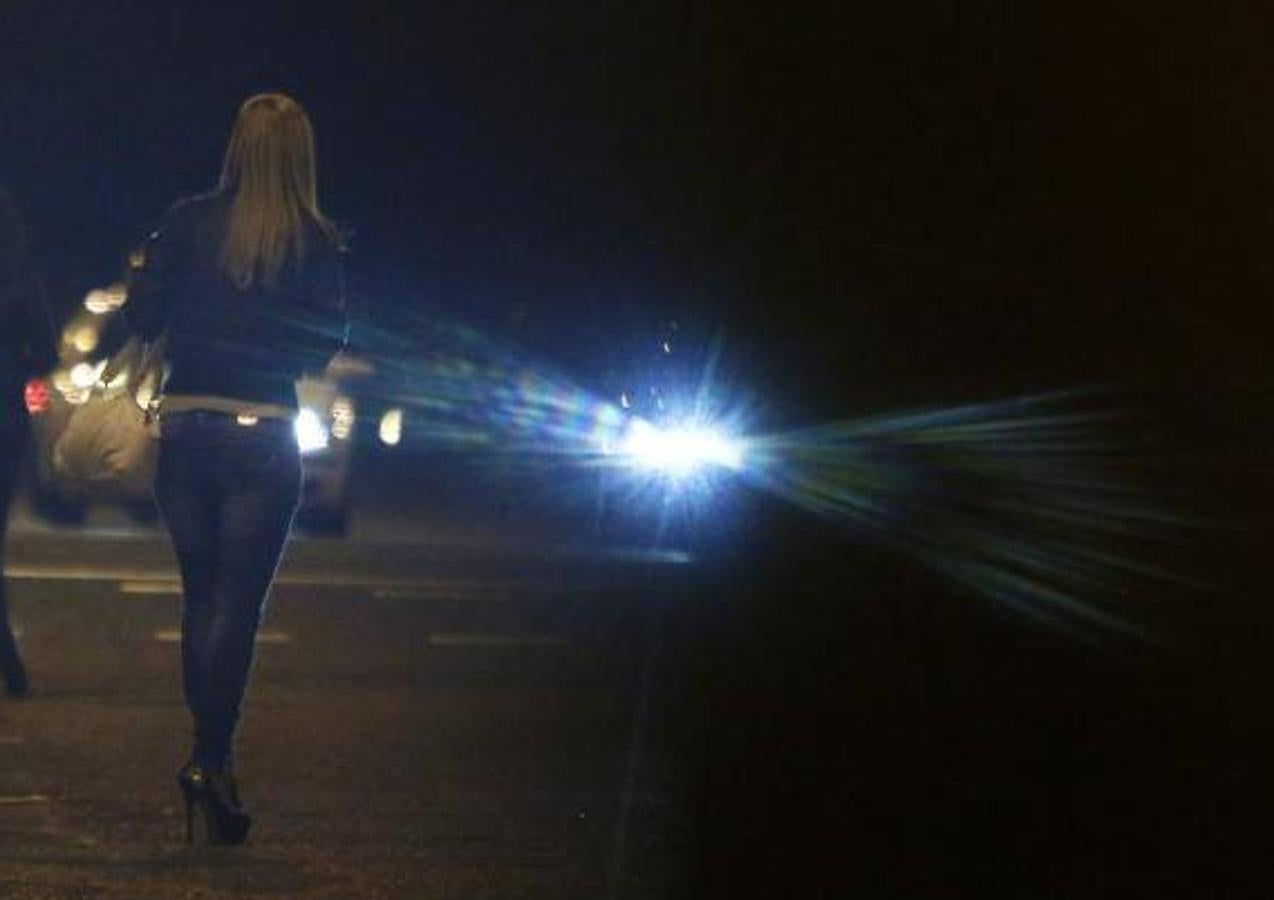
[228, 452]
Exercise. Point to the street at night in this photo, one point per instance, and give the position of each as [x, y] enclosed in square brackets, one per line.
[446, 717]
[680, 451]
[444, 706]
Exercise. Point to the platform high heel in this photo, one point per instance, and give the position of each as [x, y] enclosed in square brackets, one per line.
[213, 799]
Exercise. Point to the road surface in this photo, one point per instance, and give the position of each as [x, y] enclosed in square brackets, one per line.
[445, 718]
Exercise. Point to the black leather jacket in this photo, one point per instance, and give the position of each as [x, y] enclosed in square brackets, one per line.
[223, 341]
[27, 345]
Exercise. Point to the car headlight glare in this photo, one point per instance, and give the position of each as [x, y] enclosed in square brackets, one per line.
[391, 427]
[681, 450]
[311, 436]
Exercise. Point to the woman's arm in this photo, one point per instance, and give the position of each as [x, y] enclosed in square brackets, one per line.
[326, 320]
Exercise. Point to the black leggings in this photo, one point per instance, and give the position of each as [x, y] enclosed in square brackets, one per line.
[228, 493]
[13, 442]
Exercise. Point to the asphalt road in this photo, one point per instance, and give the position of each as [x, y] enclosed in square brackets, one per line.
[450, 705]
[426, 719]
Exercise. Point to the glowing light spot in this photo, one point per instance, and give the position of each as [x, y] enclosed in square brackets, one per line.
[84, 375]
[311, 436]
[84, 339]
[104, 300]
[679, 451]
[342, 418]
[36, 395]
[391, 427]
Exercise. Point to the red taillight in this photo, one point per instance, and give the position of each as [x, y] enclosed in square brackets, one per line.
[36, 395]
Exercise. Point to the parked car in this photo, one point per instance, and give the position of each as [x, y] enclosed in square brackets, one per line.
[95, 334]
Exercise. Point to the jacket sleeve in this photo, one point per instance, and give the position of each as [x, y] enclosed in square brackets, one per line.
[326, 322]
[152, 274]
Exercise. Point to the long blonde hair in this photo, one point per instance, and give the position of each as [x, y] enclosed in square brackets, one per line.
[269, 172]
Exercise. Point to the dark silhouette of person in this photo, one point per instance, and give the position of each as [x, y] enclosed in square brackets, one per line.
[247, 284]
[26, 347]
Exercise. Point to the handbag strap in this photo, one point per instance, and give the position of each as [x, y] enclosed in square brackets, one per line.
[142, 358]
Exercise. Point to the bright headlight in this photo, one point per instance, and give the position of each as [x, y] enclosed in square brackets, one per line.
[680, 451]
[391, 427]
[84, 375]
[311, 436]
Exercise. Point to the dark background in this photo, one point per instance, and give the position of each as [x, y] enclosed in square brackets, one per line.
[868, 204]
[876, 199]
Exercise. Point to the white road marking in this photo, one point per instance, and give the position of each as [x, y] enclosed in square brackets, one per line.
[72, 573]
[444, 592]
[149, 587]
[173, 636]
[479, 639]
[20, 801]
[136, 578]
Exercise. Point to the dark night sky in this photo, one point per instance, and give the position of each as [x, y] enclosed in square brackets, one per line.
[870, 204]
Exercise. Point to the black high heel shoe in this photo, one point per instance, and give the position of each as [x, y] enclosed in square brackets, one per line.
[216, 797]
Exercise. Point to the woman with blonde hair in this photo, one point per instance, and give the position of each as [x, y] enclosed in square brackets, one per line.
[246, 283]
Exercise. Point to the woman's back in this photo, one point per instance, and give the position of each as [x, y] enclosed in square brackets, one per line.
[248, 344]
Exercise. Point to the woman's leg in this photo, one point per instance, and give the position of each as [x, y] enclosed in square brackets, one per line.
[12, 445]
[261, 493]
[188, 499]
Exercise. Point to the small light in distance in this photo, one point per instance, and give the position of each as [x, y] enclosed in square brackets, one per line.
[391, 427]
[84, 375]
[681, 450]
[342, 418]
[83, 339]
[311, 436]
[37, 397]
[103, 300]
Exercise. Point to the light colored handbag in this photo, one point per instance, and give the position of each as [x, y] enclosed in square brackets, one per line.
[108, 448]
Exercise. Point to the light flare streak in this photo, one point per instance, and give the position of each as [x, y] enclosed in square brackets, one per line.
[1032, 502]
